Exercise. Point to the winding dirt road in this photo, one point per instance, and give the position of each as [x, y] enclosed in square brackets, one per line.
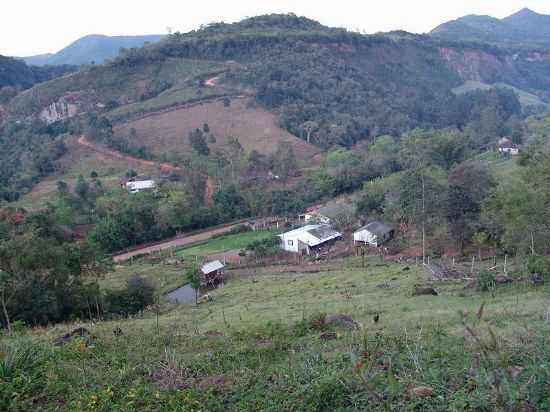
[175, 242]
[82, 140]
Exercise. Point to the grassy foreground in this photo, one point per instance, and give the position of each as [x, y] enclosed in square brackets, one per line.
[258, 345]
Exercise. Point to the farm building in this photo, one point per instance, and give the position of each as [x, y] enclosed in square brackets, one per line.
[329, 213]
[140, 186]
[506, 146]
[212, 273]
[307, 238]
[375, 234]
[313, 214]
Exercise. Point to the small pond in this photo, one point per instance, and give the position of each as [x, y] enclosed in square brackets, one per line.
[183, 294]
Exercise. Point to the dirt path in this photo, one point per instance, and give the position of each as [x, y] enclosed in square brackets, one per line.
[212, 82]
[175, 242]
[82, 140]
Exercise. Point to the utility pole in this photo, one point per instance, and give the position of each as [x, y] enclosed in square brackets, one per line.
[423, 219]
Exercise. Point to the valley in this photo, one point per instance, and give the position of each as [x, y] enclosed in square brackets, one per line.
[358, 221]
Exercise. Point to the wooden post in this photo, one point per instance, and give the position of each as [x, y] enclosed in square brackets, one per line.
[505, 265]
[158, 309]
[473, 262]
[453, 260]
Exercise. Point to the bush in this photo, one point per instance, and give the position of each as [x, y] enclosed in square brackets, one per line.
[22, 373]
[538, 264]
[265, 247]
[139, 294]
[485, 281]
[240, 229]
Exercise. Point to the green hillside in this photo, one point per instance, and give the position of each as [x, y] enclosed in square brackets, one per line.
[526, 99]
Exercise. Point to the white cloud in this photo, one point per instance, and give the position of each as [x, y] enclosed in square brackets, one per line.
[36, 26]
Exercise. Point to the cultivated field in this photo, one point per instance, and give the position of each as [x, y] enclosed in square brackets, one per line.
[255, 128]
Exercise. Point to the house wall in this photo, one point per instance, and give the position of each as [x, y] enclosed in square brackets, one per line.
[366, 237]
[289, 243]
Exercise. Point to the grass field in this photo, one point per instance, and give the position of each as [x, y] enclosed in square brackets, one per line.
[503, 168]
[526, 99]
[267, 352]
[79, 161]
[224, 243]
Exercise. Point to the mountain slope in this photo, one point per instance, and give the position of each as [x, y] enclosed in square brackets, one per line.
[336, 86]
[92, 48]
[522, 28]
[535, 24]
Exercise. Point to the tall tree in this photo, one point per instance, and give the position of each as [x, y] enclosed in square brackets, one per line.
[284, 161]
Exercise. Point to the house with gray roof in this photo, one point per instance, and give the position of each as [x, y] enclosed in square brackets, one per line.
[375, 234]
[307, 238]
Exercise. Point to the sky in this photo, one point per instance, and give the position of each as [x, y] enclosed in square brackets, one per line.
[32, 27]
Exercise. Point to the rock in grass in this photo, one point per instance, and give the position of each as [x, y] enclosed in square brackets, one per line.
[537, 279]
[328, 336]
[422, 391]
[337, 318]
[66, 338]
[423, 291]
[502, 280]
[213, 333]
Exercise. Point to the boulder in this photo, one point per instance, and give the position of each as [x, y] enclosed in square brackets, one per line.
[328, 336]
[537, 279]
[422, 391]
[502, 280]
[337, 318]
[423, 291]
[68, 337]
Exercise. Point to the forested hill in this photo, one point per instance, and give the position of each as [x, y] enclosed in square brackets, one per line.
[522, 29]
[16, 73]
[343, 85]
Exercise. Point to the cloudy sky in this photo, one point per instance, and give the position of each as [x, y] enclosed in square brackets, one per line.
[36, 26]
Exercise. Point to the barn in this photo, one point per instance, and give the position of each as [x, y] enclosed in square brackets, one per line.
[307, 238]
[375, 234]
[212, 273]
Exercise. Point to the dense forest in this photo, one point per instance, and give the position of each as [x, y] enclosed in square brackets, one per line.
[15, 75]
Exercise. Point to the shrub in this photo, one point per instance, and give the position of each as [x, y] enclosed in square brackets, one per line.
[485, 281]
[240, 229]
[265, 247]
[538, 264]
[139, 294]
[22, 373]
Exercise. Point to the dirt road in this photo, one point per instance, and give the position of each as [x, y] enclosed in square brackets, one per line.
[82, 140]
[175, 242]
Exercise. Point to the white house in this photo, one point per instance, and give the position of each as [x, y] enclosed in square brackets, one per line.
[308, 237]
[506, 146]
[140, 185]
[375, 234]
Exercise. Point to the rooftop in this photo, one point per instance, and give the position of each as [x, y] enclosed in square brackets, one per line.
[320, 234]
[212, 267]
[376, 227]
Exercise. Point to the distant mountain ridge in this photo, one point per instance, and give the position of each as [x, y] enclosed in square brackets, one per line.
[92, 48]
[525, 27]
